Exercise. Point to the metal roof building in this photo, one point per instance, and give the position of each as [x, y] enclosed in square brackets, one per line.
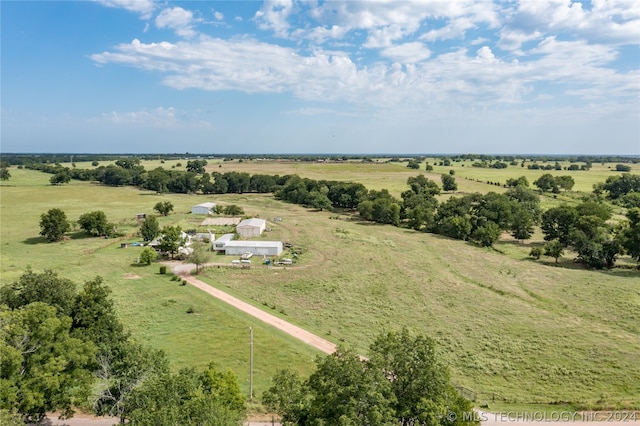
[203, 208]
[257, 248]
[253, 227]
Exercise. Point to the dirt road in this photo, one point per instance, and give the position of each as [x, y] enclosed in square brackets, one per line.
[293, 330]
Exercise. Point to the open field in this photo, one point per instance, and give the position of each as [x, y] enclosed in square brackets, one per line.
[511, 329]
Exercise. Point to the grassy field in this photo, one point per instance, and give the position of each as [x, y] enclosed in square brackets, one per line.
[512, 329]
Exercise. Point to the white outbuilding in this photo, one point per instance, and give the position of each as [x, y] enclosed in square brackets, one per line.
[219, 244]
[257, 248]
[253, 227]
[203, 208]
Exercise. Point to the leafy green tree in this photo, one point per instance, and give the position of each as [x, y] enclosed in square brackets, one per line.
[157, 180]
[515, 182]
[287, 397]
[171, 240]
[199, 256]
[547, 183]
[594, 208]
[4, 173]
[183, 399]
[554, 249]
[196, 166]
[46, 287]
[420, 382]
[150, 228]
[522, 225]
[558, 223]
[120, 370]
[535, 252]
[487, 234]
[458, 227]
[345, 390]
[43, 368]
[449, 183]
[96, 223]
[623, 168]
[631, 235]
[319, 201]
[54, 224]
[148, 256]
[565, 182]
[164, 207]
[618, 186]
[233, 210]
[128, 163]
[420, 184]
[60, 178]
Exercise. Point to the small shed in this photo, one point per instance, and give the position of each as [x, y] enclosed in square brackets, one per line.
[219, 244]
[257, 248]
[203, 208]
[253, 227]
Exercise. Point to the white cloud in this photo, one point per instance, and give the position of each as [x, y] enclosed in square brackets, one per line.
[160, 117]
[274, 16]
[407, 53]
[218, 15]
[144, 7]
[177, 19]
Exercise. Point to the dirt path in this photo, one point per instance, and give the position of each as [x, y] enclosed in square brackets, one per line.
[293, 330]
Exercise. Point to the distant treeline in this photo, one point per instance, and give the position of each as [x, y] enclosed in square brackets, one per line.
[24, 159]
[480, 218]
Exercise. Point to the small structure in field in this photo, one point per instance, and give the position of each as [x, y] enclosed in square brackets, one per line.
[256, 248]
[219, 244]
[203, 208]
[253, 227]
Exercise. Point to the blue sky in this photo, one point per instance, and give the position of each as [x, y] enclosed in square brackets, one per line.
[349, 77]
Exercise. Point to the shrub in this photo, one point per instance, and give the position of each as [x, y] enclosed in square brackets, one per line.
[163, 270]
[535, 252]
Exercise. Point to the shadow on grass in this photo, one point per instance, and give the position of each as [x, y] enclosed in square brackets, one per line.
[36, 240]
[81, 235]
[619, 271]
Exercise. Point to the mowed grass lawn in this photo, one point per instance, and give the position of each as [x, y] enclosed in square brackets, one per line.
[511, 328]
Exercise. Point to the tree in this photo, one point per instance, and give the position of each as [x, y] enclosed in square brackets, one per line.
[458, 227]
[196, 166]
[554, 249]
[43, 368]
[487, 234]
[522, 225]
[547, 183]
[148, 255]
[233, 210]
[319, 201]
[623, 168]
[54, 224]
[521, 181]
[150, 228]
[60, 178]
[4, 173]
[199, 256]
[558, 223]
[95, 223]
[184, 398]
[403, 383]
[94, 318]
[448, 183]
[164, 207]
[46, 287]
[631, 235]
[565, 182]
[618, 186]
[171, 240]
[420, 382]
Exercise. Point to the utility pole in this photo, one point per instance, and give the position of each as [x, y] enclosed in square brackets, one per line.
[251, 363]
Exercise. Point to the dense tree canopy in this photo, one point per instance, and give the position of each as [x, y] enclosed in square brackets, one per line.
[96, 223]
[403, 383]
[54, 224]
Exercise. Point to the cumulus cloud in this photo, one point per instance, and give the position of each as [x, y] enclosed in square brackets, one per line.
[177, 19]
[407, 53]
[144, 7]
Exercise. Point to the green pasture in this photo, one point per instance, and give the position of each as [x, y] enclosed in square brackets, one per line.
[515, 331]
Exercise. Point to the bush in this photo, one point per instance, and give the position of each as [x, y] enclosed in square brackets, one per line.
[163, 270]
[190, 310]
[184, 282]
[536, 252]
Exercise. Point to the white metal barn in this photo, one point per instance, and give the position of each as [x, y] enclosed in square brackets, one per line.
[253, 227]
[257, 248]
[219, 244]
[203, 208]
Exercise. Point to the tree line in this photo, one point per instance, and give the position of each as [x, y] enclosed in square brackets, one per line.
[480, 218]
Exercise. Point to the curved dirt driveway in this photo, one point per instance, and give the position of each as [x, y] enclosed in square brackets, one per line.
[310, 339]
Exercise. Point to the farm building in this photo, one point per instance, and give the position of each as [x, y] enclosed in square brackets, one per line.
[257, 248]
[253, 227]
[219, 244]
[203, 208]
